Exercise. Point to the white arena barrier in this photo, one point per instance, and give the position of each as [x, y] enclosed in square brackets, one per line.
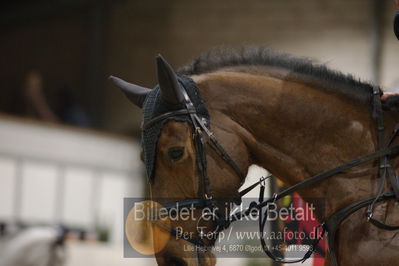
[51, 174]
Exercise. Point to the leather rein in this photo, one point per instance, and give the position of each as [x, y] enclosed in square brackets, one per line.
[202, 136]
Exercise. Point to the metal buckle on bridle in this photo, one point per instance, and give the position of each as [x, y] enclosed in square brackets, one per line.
[369, 213]
[201, 233]
[383, 166]
[369, 216]
[263, 181]
[204, 121]
[274, 197]
[197, 131]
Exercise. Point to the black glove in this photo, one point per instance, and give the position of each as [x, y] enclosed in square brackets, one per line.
[396, 24]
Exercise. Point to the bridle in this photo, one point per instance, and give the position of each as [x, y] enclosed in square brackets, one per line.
[202, 135]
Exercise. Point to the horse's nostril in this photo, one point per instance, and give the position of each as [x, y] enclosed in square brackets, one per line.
[175, 261]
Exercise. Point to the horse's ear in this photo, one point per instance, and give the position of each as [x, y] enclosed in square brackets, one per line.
[167, 79]
[135, 93]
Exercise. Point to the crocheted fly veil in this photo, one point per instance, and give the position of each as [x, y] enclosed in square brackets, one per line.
[154, 106]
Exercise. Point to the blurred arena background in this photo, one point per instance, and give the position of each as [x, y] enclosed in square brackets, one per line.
[69, 140]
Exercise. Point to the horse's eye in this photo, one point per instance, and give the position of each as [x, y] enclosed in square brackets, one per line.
[175, 153]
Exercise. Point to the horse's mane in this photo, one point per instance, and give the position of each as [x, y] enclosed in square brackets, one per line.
[302, 68]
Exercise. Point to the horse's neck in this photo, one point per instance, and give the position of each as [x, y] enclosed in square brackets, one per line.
[292, 129]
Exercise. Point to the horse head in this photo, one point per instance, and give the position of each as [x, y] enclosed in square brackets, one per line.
[183, 166]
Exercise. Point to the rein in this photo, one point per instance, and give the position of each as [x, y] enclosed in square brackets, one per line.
[201, 129]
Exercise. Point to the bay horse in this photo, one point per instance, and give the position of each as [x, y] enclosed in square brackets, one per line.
[289, 115]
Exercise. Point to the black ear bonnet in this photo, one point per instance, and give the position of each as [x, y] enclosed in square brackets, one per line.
[154, 106]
